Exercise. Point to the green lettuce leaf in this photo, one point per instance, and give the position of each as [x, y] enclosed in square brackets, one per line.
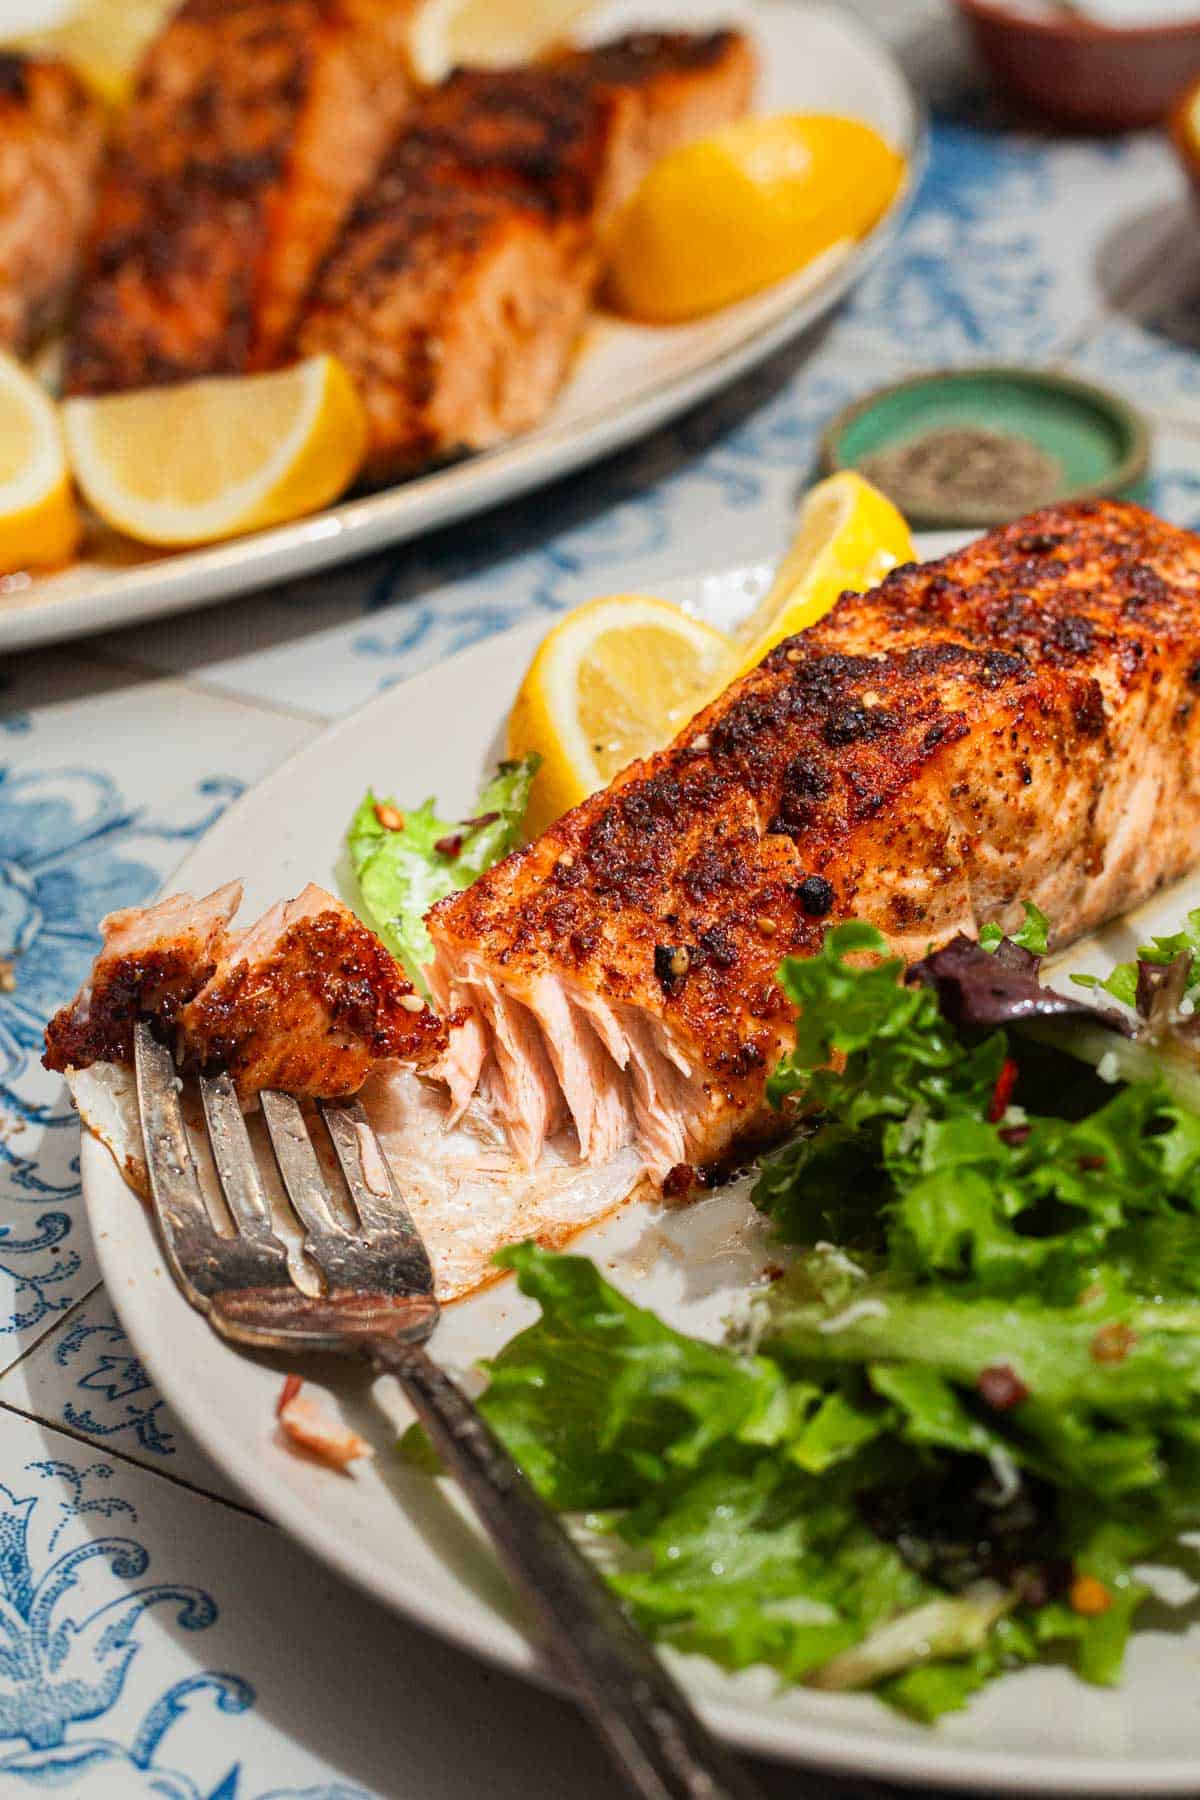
[600, 1398]
[1033, 936]
[1122, 983]
[401, 874]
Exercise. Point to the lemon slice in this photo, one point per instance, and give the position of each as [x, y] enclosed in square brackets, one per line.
[490, 34]
[848, 536]
[212, 459]
[102, 39]
[39, 524]
[772, 192]
[614, 681]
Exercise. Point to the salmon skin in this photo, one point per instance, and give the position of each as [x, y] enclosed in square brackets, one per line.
[253, 126]
[51, 134]
[460, 284]
[1019, 721]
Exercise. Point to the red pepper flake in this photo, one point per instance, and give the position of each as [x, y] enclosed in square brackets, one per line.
[1001, 1387]
[1006, 1081]
[774, 1272]
[1112, 1343]
[1016, 1135]
[1089, 1596]
[479, 823]
[291, 1387]
[450, 846]
[1092, 1162]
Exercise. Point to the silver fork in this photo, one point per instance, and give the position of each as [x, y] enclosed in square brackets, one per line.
[378, 1303]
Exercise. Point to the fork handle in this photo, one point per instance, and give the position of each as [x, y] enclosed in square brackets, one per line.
[651, 1729]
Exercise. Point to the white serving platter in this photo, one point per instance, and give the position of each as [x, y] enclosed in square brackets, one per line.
[628, 379]
[407, 1541]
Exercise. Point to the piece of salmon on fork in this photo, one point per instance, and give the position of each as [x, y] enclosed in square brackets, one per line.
[457, 291]
[253, 126]
[306, 996]
[1020, 721]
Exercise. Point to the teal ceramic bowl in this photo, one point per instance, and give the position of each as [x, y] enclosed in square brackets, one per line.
[1097, 444]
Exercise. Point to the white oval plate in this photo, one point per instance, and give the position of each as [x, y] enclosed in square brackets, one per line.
[405, 1541]
[630, 379]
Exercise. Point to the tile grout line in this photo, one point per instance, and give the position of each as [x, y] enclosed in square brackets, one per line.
[45, 1336]
[200, 684]
[133, 1462]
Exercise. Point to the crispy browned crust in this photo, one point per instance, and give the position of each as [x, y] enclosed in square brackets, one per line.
[1017, 721]
[312, 1017]
[153, 984]
[253, 125]
[458, 287]
[51, 132]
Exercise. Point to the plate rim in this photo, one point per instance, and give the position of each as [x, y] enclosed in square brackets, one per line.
[480, 1630]
[213, 574]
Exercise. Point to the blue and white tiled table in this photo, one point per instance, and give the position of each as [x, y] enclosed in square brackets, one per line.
[156, 1637]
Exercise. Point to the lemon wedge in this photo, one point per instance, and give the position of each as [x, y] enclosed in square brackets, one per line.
[103, 40]
[489, 34]
[720, 218]
[39, 524]
[212, 459]
[848, 537]
[614, 681]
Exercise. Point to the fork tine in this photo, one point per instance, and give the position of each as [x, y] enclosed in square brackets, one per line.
[241, 1180]
[386, 1220]
[192, 1245]
[326, 1240]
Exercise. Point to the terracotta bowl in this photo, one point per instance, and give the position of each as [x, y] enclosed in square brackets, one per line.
[1086, 76]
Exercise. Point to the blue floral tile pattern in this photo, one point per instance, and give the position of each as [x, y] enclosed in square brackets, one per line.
[86, 1377]
[71, 850]
[998, 258]
[72, 1603]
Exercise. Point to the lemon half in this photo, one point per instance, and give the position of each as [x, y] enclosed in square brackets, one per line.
[39, 523]
[614, 681]
[487, 34]
[212, 459]
[720, 218]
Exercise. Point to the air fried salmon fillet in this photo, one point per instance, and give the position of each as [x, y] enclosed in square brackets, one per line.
[461, 281]
[51, 133]
[306, 999]
[253, 126]
[1018, 721]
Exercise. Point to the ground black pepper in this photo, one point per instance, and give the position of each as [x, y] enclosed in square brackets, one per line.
[961, 466]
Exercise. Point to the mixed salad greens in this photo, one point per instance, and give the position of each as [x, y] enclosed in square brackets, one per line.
[405, 859]
[968, 1406]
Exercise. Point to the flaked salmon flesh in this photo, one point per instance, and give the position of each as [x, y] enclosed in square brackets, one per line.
[1019, 721]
